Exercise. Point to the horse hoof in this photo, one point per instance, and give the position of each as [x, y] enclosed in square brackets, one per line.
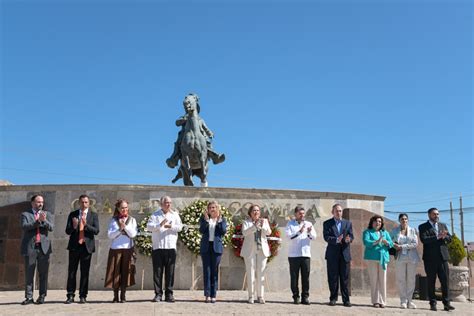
[204, 184]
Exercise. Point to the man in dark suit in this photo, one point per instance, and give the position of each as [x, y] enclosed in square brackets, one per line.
[82, 225]
[435, 237]
[36, 247]
[337, 232]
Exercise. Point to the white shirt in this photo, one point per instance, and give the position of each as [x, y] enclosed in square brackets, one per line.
[212, 228]
[299, 243]
[164, 238]
[122, 240]
[83, 213]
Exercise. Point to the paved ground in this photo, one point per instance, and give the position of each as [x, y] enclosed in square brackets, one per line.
[192, 303]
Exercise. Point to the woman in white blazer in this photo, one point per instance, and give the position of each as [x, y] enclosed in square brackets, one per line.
[405, 241]
[255, 252]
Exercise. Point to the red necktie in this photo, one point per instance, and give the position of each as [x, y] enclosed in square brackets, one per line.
[81, 229]
[38, 237]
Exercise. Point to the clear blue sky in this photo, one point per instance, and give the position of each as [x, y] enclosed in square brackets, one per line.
[369, 97]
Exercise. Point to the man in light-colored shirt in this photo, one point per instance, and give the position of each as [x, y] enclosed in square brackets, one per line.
[164, 224]
[300, 234]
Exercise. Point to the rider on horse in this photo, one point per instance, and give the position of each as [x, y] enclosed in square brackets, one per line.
[181, 121]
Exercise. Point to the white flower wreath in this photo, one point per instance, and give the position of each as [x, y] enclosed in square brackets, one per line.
[190, 235]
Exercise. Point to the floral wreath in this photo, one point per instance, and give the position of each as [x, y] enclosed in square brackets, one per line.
[143, 240]
[190, 235]
[274, 240]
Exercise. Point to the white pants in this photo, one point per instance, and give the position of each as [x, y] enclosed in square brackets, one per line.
[406, 276]
[378, 282]
[255, 268]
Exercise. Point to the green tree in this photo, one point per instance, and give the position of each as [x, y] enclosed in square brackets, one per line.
[456, 250]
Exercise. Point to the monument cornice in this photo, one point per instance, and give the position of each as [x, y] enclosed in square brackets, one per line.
[214, 191]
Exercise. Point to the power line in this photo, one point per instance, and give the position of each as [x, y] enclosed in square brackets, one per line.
[425, 202]
[469, 209]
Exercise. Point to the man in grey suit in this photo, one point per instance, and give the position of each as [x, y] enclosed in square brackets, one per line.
[36, 247]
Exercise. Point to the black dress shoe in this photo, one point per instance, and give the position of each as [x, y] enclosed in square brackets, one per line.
[82, 300]
[157, 298]
[433, 308]
[69, 300]
[27, 301]
[170, 299]
[305, 301]
[449, 307]
[332, 303]
[40, 300]
[296, 300]
[347, 304]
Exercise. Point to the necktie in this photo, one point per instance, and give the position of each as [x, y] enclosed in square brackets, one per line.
[435, 226]
[81, 228]
[38, 237]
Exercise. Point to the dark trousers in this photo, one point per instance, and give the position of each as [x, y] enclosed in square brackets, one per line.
[82, 256]
[338, 274]
[163, 261]
[441, 269]
[210, 267]
[37, 257]
[298, 264]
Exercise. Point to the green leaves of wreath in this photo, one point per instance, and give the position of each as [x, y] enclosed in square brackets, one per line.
[190, 235]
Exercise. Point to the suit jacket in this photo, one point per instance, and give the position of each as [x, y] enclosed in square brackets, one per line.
[410, 246]
[249, 247]
[379, 251]
[90, 230]
[29, 226]
[219, 232]
[434, 249]
[330, 234]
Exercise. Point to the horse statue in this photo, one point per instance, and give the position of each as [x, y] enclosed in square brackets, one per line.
[193, 146]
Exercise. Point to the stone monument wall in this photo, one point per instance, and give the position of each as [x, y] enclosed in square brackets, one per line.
[278, 205]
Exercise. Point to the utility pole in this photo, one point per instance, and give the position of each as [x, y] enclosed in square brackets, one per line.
[462, 220]
[452, 220]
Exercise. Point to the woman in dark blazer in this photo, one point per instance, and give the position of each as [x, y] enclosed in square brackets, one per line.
[213, 228]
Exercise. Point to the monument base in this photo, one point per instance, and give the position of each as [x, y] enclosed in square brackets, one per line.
[277, 205]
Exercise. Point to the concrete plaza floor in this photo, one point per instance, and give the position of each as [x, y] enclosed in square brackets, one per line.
[192, 303]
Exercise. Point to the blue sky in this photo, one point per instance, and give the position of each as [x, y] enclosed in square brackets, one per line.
[369, 97]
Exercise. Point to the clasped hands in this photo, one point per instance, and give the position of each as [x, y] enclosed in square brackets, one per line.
[443, 234]
[381, 240]
[165, 223]
[303, 228]
[341, 237]
[75, 222]
[42, 216]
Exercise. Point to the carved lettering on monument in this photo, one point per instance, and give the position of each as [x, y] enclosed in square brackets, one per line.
[107, 208]
[274, 211]
[92, 204]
